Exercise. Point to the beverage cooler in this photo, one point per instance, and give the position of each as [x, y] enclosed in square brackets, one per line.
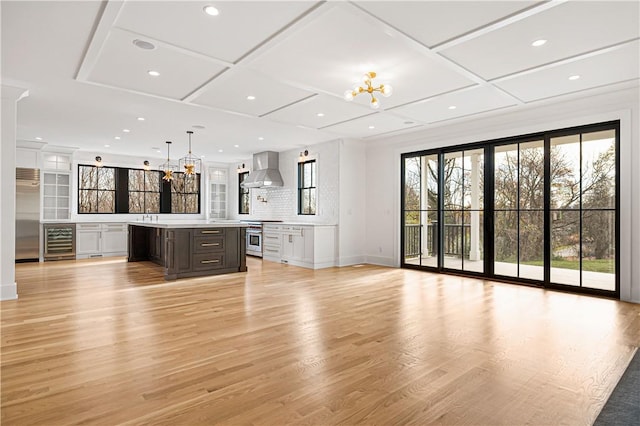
[59, 241]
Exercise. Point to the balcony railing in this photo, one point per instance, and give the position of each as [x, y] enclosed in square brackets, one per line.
[453, 237]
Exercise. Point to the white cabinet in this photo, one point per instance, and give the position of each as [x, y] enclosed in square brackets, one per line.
[308, 246]
[272, 242]
[56, 197]
[101, 239]
[218, 203]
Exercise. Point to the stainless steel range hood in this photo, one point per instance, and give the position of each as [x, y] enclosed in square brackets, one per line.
[265, 172]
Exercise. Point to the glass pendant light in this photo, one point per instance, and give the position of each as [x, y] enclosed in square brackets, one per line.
[190, 164]
[168, 167]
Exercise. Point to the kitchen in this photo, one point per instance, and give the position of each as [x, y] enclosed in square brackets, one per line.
[327, 324]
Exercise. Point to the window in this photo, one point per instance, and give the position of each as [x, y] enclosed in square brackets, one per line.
[96, 189]
[185, 195]
[540, 209]
[307, 187]
[124, 190]
[243, 194]
[144, 191]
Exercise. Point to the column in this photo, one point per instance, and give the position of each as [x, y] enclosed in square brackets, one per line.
[10, 97]
[474, 254]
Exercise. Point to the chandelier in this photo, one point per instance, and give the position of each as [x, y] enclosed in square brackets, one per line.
[190, 164]
[384, 89]
[168, 167]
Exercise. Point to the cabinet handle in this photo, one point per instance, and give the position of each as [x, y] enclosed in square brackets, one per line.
[209, 244]
[272, 251]
[210, 232]
[210, 261]
[271, 237]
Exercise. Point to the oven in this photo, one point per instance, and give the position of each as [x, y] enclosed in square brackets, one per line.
[254, 240]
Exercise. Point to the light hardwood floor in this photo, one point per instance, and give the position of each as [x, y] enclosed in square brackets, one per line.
[109, 342]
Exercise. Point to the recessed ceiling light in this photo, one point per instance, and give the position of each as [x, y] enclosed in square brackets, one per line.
[153, 73]
[117, 138]
[236, 146]
[408, 122]
[574, 77]
[144, 44]
[202, 156]
[107, 146]
[210, 10]
[158, 151]
[38, 138]
[126, 130]
[251, 97]
[453, 107]
[140, 118]
[320, 114]
[219, 150]
[260, 138]
[539, 43]
[198, 126]
[372, 127]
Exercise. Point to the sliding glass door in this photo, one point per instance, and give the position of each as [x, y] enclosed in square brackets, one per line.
[547, 203]
[518, 239]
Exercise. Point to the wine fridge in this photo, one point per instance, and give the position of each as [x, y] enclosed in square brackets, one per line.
[59, 241]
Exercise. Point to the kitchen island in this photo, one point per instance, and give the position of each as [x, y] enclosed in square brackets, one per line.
[189, 248]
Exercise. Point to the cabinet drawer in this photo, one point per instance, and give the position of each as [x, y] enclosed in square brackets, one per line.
[271, 251]
[206, 261]
[271, 239]
[208, 232]
[208, 244]
[88, 226]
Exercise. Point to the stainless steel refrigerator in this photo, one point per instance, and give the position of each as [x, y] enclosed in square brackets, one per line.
[27, 214]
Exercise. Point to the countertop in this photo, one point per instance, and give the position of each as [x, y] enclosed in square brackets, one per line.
[189, 224]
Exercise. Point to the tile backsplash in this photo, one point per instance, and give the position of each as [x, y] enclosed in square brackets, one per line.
[282, 203]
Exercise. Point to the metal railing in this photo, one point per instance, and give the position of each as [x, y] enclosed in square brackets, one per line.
[453, 237]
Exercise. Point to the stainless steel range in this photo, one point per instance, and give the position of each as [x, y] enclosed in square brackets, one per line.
[254, 236]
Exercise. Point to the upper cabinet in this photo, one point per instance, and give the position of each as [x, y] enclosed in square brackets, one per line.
[218, 194]
[56, 188]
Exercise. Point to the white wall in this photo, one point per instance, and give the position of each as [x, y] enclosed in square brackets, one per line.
[282, 202]
[383, 169]
[351, 229]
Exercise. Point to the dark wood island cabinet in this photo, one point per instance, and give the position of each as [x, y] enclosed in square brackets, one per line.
[189, 251]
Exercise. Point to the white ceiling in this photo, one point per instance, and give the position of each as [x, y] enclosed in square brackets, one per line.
[88, 81]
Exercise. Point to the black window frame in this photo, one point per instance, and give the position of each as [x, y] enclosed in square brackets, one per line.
[488, 224]
[302, 186]
[244, 194]
[145, 191]
[121, 191]
[96, 189]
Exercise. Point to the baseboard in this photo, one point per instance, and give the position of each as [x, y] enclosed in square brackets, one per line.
[8, 291]
[380, 260]
[351, 260]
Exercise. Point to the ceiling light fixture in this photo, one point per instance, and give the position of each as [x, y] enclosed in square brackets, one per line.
[168, 167]
[153, 73]
[98, 161]
[574, 77]
[384, 89]
[220, 150]
[260, 138]
[303, 156]
[146, 165]
[320, 114]
[126, 130]
[210, 10]
[251, 98]
[236, 146]
[191, 164]
[143, 44]
[38, 138]
[107, 146]
[140, 118]
[453, 107]
[372, 127]
[198, 126]
[117, 138]
[538, 43]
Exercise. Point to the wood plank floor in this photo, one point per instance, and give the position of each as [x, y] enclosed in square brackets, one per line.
[108, 342]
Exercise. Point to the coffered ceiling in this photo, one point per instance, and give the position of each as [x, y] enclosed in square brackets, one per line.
[270, 75]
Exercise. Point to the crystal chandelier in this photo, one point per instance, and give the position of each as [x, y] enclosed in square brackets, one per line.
[168, 167]
[190, 164]
[384, 89]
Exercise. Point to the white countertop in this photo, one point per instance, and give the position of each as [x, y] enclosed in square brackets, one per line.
[190, 224]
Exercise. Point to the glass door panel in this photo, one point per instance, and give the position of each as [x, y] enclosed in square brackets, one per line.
[453, 230]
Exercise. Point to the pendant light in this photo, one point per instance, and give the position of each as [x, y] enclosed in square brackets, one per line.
[168, 167]
[190, 164]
